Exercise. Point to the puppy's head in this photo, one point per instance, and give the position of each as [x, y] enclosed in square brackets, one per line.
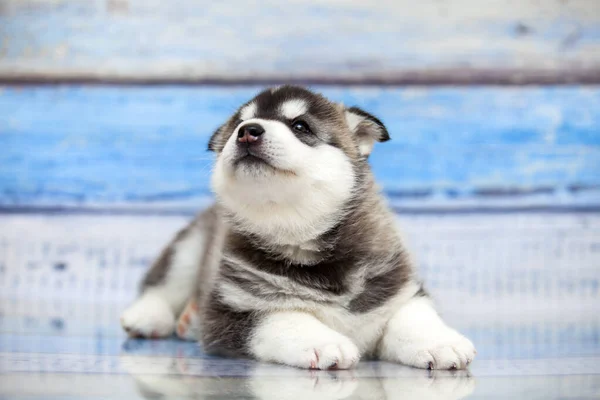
[291, 155]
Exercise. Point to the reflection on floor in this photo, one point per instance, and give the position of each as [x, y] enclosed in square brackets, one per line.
[524, 287]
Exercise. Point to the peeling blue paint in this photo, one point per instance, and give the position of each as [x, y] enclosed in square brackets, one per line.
[103, 145]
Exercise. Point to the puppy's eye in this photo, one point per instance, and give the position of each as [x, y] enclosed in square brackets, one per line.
[301, 126]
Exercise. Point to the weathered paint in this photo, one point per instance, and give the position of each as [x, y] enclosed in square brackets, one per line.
[401, 41]
[104, 145]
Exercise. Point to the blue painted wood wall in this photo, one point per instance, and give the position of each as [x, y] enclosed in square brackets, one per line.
[109, 103]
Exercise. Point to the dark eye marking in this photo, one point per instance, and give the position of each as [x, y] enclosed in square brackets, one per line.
[300, 126]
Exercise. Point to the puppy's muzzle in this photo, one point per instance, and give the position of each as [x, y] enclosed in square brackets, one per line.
[250, 133]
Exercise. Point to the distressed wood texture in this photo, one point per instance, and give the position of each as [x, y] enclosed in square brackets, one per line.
[401, 41]
[111, 145]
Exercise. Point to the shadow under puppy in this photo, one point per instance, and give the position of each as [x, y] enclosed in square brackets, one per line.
[299, 262]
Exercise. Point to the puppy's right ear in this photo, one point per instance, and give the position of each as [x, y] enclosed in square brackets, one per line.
[367, 129]
[216, 142]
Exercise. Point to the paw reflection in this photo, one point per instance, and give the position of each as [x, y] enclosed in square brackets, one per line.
[199, 377]
[291, 384]
[174, 347]
[442, 385]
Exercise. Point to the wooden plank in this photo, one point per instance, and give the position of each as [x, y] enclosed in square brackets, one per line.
[547, 263]
[402, 41]
[112, 145]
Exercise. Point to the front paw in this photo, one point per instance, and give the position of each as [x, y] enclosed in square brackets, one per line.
[300, 340]
[445, 349]
[336, 352]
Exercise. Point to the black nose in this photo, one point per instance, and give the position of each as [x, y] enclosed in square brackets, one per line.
[249, 133]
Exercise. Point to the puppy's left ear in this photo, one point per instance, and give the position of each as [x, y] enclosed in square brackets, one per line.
[216, 143]
[367, 129]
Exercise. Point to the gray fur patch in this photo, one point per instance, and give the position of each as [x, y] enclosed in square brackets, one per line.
[227, 331]
[381, 288]
[159, 269]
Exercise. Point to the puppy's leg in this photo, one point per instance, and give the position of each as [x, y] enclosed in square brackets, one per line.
[166, 287]
[188, 325]
[293, 338]
[169, 283]
[417, 336]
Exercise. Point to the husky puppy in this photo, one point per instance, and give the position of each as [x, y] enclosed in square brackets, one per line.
[299, 262]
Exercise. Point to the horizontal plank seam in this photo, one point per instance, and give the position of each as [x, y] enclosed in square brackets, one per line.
[425, 78]
[175, 211]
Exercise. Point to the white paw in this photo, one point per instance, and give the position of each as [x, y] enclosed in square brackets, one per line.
[444, 349]
[150, 316]
[335, 353]
[322, 349]
[339, 353]
[300, 340]
[188, 325]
